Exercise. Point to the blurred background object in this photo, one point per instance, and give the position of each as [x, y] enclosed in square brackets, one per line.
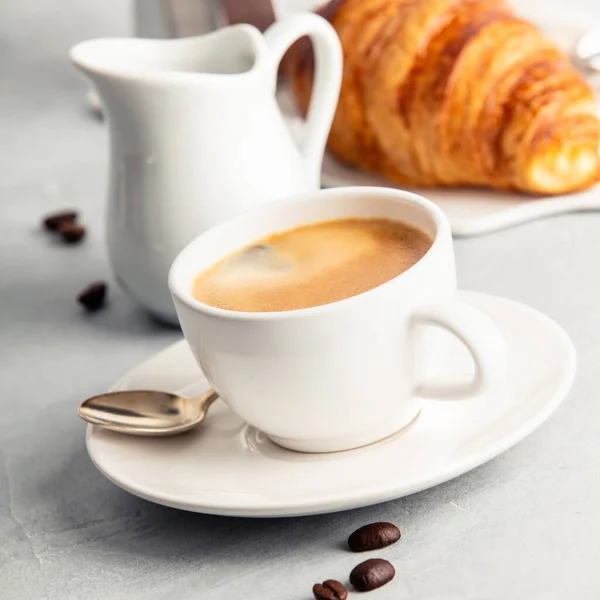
[182, 18]
[176, 18]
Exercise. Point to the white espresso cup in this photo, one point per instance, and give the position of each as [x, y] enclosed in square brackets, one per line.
[340, 375]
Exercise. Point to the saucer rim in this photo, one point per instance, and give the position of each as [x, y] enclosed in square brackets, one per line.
[374, 494]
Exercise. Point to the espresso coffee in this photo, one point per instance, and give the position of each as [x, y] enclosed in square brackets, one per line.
[312, 265]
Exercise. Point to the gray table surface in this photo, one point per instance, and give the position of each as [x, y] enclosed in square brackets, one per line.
[526, 525]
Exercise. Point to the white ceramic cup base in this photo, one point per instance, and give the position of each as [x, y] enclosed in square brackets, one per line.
[390, 426]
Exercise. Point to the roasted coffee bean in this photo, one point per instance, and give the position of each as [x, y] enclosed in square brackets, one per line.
[71, 233]
[54, 221]
[371, 574]
[373, 537]
[93, 297]
[330, 590]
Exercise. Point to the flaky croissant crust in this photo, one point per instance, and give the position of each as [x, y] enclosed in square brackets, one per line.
[456, 92]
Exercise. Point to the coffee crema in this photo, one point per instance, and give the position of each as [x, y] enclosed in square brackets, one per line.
[312, 265]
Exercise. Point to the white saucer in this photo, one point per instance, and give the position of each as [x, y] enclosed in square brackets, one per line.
[225, 467]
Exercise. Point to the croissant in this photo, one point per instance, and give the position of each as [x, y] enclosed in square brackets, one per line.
[456, 93]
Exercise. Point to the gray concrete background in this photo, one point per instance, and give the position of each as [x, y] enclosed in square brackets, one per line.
[526, 525]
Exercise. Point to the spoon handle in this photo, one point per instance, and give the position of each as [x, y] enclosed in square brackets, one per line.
[206, 400]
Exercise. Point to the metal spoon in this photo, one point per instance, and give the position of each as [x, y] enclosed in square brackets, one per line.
[147, 413]
[587, 50]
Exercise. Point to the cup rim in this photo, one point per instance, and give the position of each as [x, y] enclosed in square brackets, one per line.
[182, 291]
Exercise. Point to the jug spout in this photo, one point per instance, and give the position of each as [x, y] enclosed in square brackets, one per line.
[230, 51]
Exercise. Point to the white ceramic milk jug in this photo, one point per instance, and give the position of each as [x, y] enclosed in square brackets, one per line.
[197, 137]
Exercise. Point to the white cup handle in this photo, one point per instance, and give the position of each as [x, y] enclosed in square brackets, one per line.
[482, 339]
[327, 82]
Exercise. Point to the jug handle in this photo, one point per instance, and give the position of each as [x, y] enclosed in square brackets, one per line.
[327, 80]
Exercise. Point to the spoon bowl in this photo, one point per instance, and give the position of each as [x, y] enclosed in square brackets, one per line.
[146, 412]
